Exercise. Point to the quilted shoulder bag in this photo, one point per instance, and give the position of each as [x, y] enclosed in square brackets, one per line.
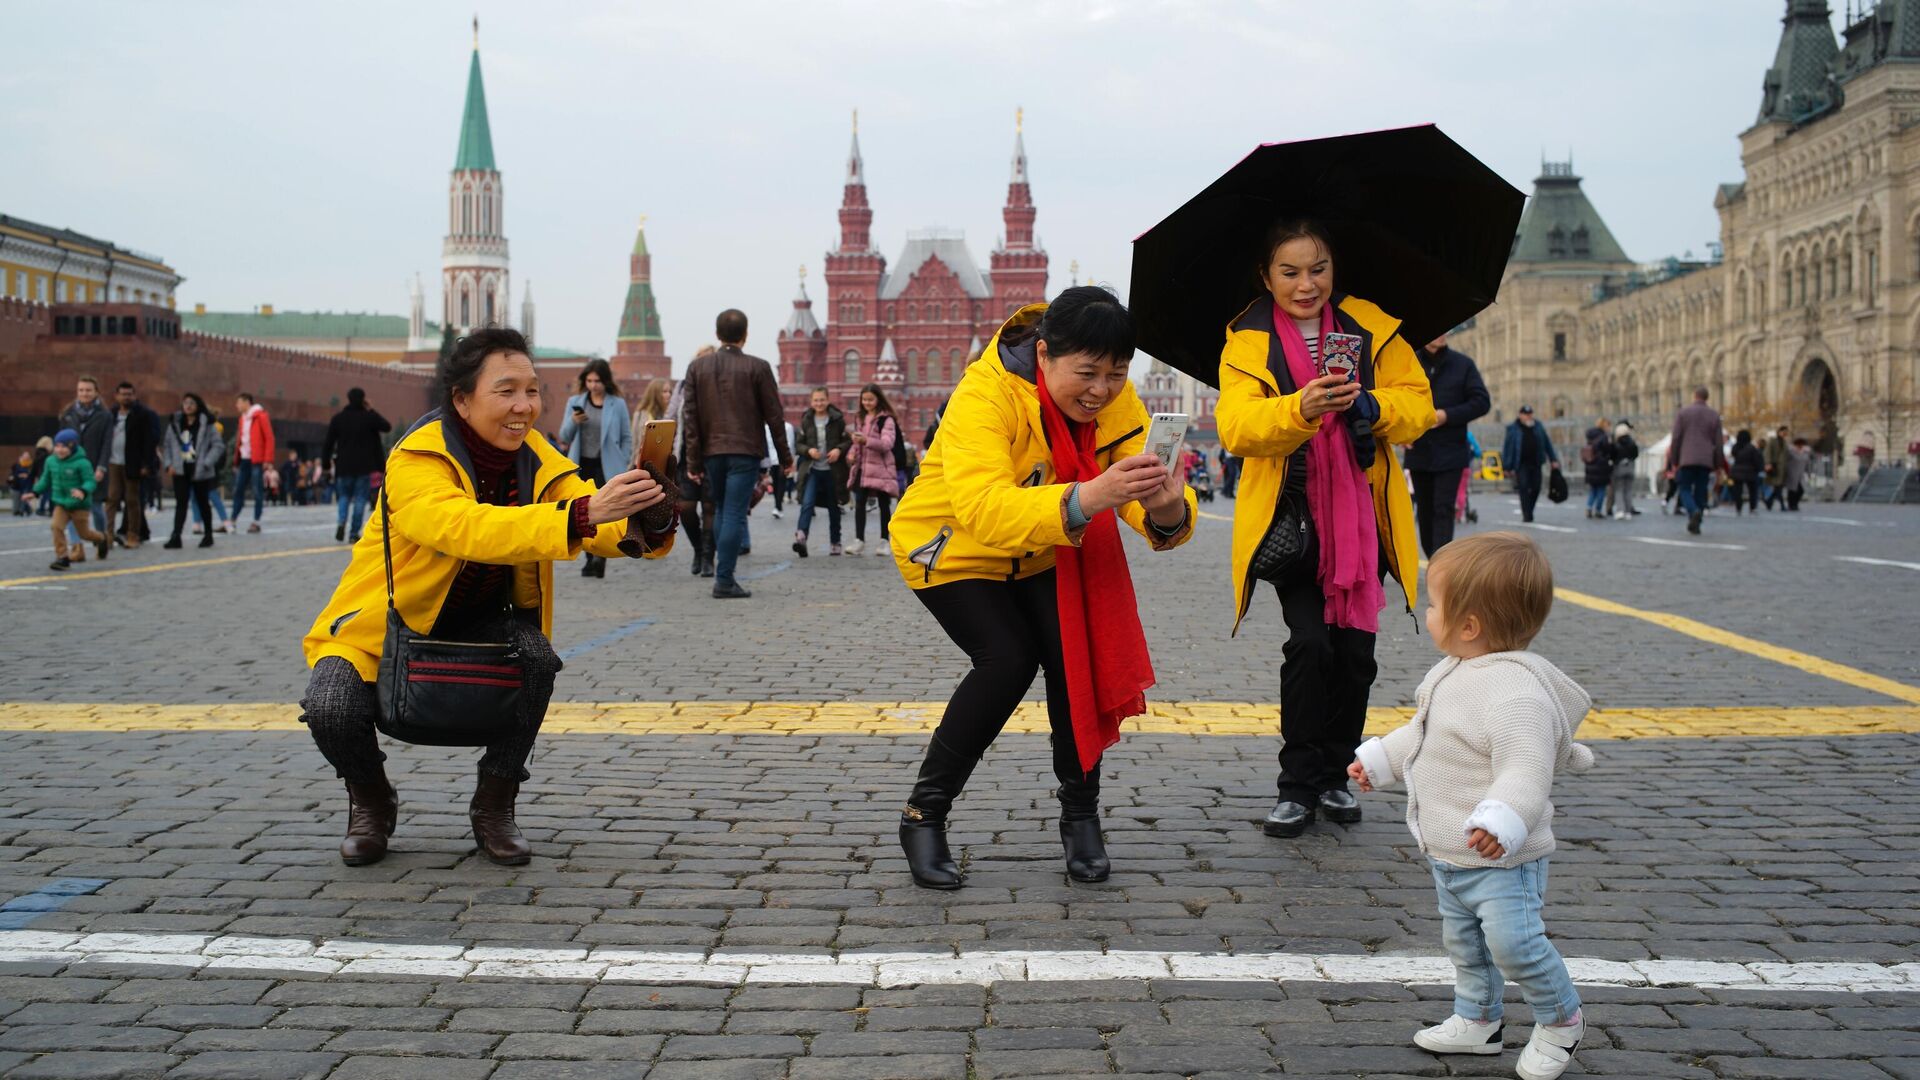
[1290, 537]
[437, 692]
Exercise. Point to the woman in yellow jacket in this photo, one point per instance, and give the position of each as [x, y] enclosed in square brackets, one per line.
[1007, 539]
[472, 493]
[1320, 446]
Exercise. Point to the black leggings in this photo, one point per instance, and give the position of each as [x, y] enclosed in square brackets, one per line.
[860, 496]
[200, 491]
[1326, 673]
[1435, 494]
[340, 706]
[1010, 630]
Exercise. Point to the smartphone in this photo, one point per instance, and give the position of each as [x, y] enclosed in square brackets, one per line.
[1340, 354]
[656, 446]
[1165, 434]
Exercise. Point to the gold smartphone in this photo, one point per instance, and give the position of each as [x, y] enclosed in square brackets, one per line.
[656, 446]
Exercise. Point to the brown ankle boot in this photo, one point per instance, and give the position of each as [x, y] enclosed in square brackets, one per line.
[492, 815]
[371, 812]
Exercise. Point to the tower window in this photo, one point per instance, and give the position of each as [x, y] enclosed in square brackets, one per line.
[1560, 345]
[1557, 242]
[1582, 243]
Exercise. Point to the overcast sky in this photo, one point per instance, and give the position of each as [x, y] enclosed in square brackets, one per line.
[297, 154]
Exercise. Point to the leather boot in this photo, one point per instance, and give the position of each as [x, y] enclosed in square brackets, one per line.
[706, 555]
[923, 821]
[371, 812]
[1080, 828]
[493, 827]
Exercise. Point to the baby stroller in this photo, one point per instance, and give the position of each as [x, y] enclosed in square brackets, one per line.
[1202, 483]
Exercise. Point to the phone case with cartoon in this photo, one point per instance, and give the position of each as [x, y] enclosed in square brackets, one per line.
[1341, 353]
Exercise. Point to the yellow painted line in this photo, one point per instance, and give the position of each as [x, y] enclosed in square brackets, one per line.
[1215, 517]
[192, 564]
[1807, 662]
[806, 718]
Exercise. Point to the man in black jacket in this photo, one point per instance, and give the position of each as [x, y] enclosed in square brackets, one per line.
[91, 417]
[1437, 458]
[133, 453]
[354, 449]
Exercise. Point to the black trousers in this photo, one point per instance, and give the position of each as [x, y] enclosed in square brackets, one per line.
[860, 497]
[340, 706]
[1326, 673]
[1434, 496]
[200, 491]
[1010, 630]
[1526, 481]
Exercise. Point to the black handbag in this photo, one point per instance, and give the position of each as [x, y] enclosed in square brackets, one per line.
[1556, 487]
[435, 692]
[1291, 536]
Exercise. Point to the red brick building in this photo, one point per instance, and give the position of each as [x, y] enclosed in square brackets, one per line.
[919, 324]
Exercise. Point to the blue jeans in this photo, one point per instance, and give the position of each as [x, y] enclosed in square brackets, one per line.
[730, 480]
[355, 490]
[1490, 921]
[219, 509]
[1596, 497]
[249, 472]
[1693, 487]
[819, 492]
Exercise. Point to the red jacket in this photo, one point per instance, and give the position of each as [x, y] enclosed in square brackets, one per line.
[259, 437]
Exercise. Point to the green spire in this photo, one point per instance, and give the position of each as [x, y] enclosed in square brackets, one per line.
[640, 237]
[641, 319]
[476, 140]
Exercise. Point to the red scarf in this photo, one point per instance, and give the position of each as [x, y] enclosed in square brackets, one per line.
[1108, 670]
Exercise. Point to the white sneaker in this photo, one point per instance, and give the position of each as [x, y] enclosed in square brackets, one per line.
[1550, 1050]
[776, 513]
[1459, 1035]
[1623, 517]
[856, 547]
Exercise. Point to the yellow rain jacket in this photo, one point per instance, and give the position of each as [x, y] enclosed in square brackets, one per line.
[438, 527]
[1259, 418]
[986, 504]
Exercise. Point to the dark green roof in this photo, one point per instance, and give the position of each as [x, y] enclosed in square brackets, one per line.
[300, 324]
[641, 319]
[1798, 86]
[476, 139]
[548, 352]
[640, 241]
[1561, 225]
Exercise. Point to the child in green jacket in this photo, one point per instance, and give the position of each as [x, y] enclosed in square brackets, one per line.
[67, 482]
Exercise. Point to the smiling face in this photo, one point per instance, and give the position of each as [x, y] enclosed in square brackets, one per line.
[819, 401]
[85, 392]
[868, 402]
[1082, 384]
[505, 403]
[1300, 276]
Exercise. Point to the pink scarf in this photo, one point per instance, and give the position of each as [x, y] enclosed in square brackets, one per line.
[1338, 497]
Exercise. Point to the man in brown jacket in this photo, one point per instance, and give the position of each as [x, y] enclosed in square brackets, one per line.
[1697, 449]
[731, 404]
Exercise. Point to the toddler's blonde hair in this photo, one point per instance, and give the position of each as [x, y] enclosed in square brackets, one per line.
[1503, 577]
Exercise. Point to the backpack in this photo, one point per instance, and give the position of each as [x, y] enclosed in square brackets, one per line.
[1588, 454]
[899, 448]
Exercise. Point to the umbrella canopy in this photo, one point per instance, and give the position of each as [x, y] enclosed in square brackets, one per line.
[1419, 226]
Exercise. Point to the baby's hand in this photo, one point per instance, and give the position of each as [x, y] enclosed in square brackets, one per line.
[1483, 842]
[1358, 774]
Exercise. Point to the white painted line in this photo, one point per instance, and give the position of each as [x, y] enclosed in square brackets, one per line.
[1667, 542]
[909, 968]
[33, 588]
[1546, 528]
[1878, 562]
[1833, 520]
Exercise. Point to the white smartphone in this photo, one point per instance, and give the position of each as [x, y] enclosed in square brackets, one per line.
[1164, 435]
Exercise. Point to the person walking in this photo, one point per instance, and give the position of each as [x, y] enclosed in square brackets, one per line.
[1695, 451]
[1010, 539]
[1229, 473]
[1596, 460]
[1746, 465]
[696, 510]
[732, 400]
[1774, 480]
[132, 451]
[222, 480]
[1437, 460]
[596, 438]
[653, 405]
[67, 482]
[821, 441]
[1528, 449]
[20, 481]
[253, 456]
[468, 528]
[1318, 463]
[354, 449]
[1625, 453]
[89, 417]
[1799, 459]
[872, 471]
[42, 450]
[782, 481]
[190, 453]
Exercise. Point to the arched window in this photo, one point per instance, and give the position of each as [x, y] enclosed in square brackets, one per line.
[489, 307]
[959, 359]
[893, 313]
[913, 312]
[913, 365]
[466, 307]
[466, 210]
[486, 210]
[953, 311]
[852, 358]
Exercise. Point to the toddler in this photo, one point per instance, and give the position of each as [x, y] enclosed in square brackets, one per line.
[20, 479]
[67, 482]
[1492, 723]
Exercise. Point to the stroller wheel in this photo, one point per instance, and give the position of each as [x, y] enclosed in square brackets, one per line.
[1473, 516]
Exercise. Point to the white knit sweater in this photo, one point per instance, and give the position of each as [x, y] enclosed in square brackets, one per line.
[1486, 737]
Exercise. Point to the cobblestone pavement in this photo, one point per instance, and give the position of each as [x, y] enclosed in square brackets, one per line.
[1742, 906]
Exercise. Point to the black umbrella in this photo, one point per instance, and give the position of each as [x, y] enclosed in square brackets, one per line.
[1419, 226]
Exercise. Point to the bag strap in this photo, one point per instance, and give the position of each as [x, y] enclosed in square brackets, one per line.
[386, 541]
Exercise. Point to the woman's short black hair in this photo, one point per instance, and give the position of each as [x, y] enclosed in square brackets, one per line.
[597, 366]
[1743, 435]
[1088, 319]
[459, 370]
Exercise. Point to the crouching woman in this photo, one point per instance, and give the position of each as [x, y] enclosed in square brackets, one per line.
[477, 507]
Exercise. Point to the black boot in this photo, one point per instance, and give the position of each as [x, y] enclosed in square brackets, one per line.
[1080, 828]
[923, 821]
[372, 809]
[491, 813]
[706, 556]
